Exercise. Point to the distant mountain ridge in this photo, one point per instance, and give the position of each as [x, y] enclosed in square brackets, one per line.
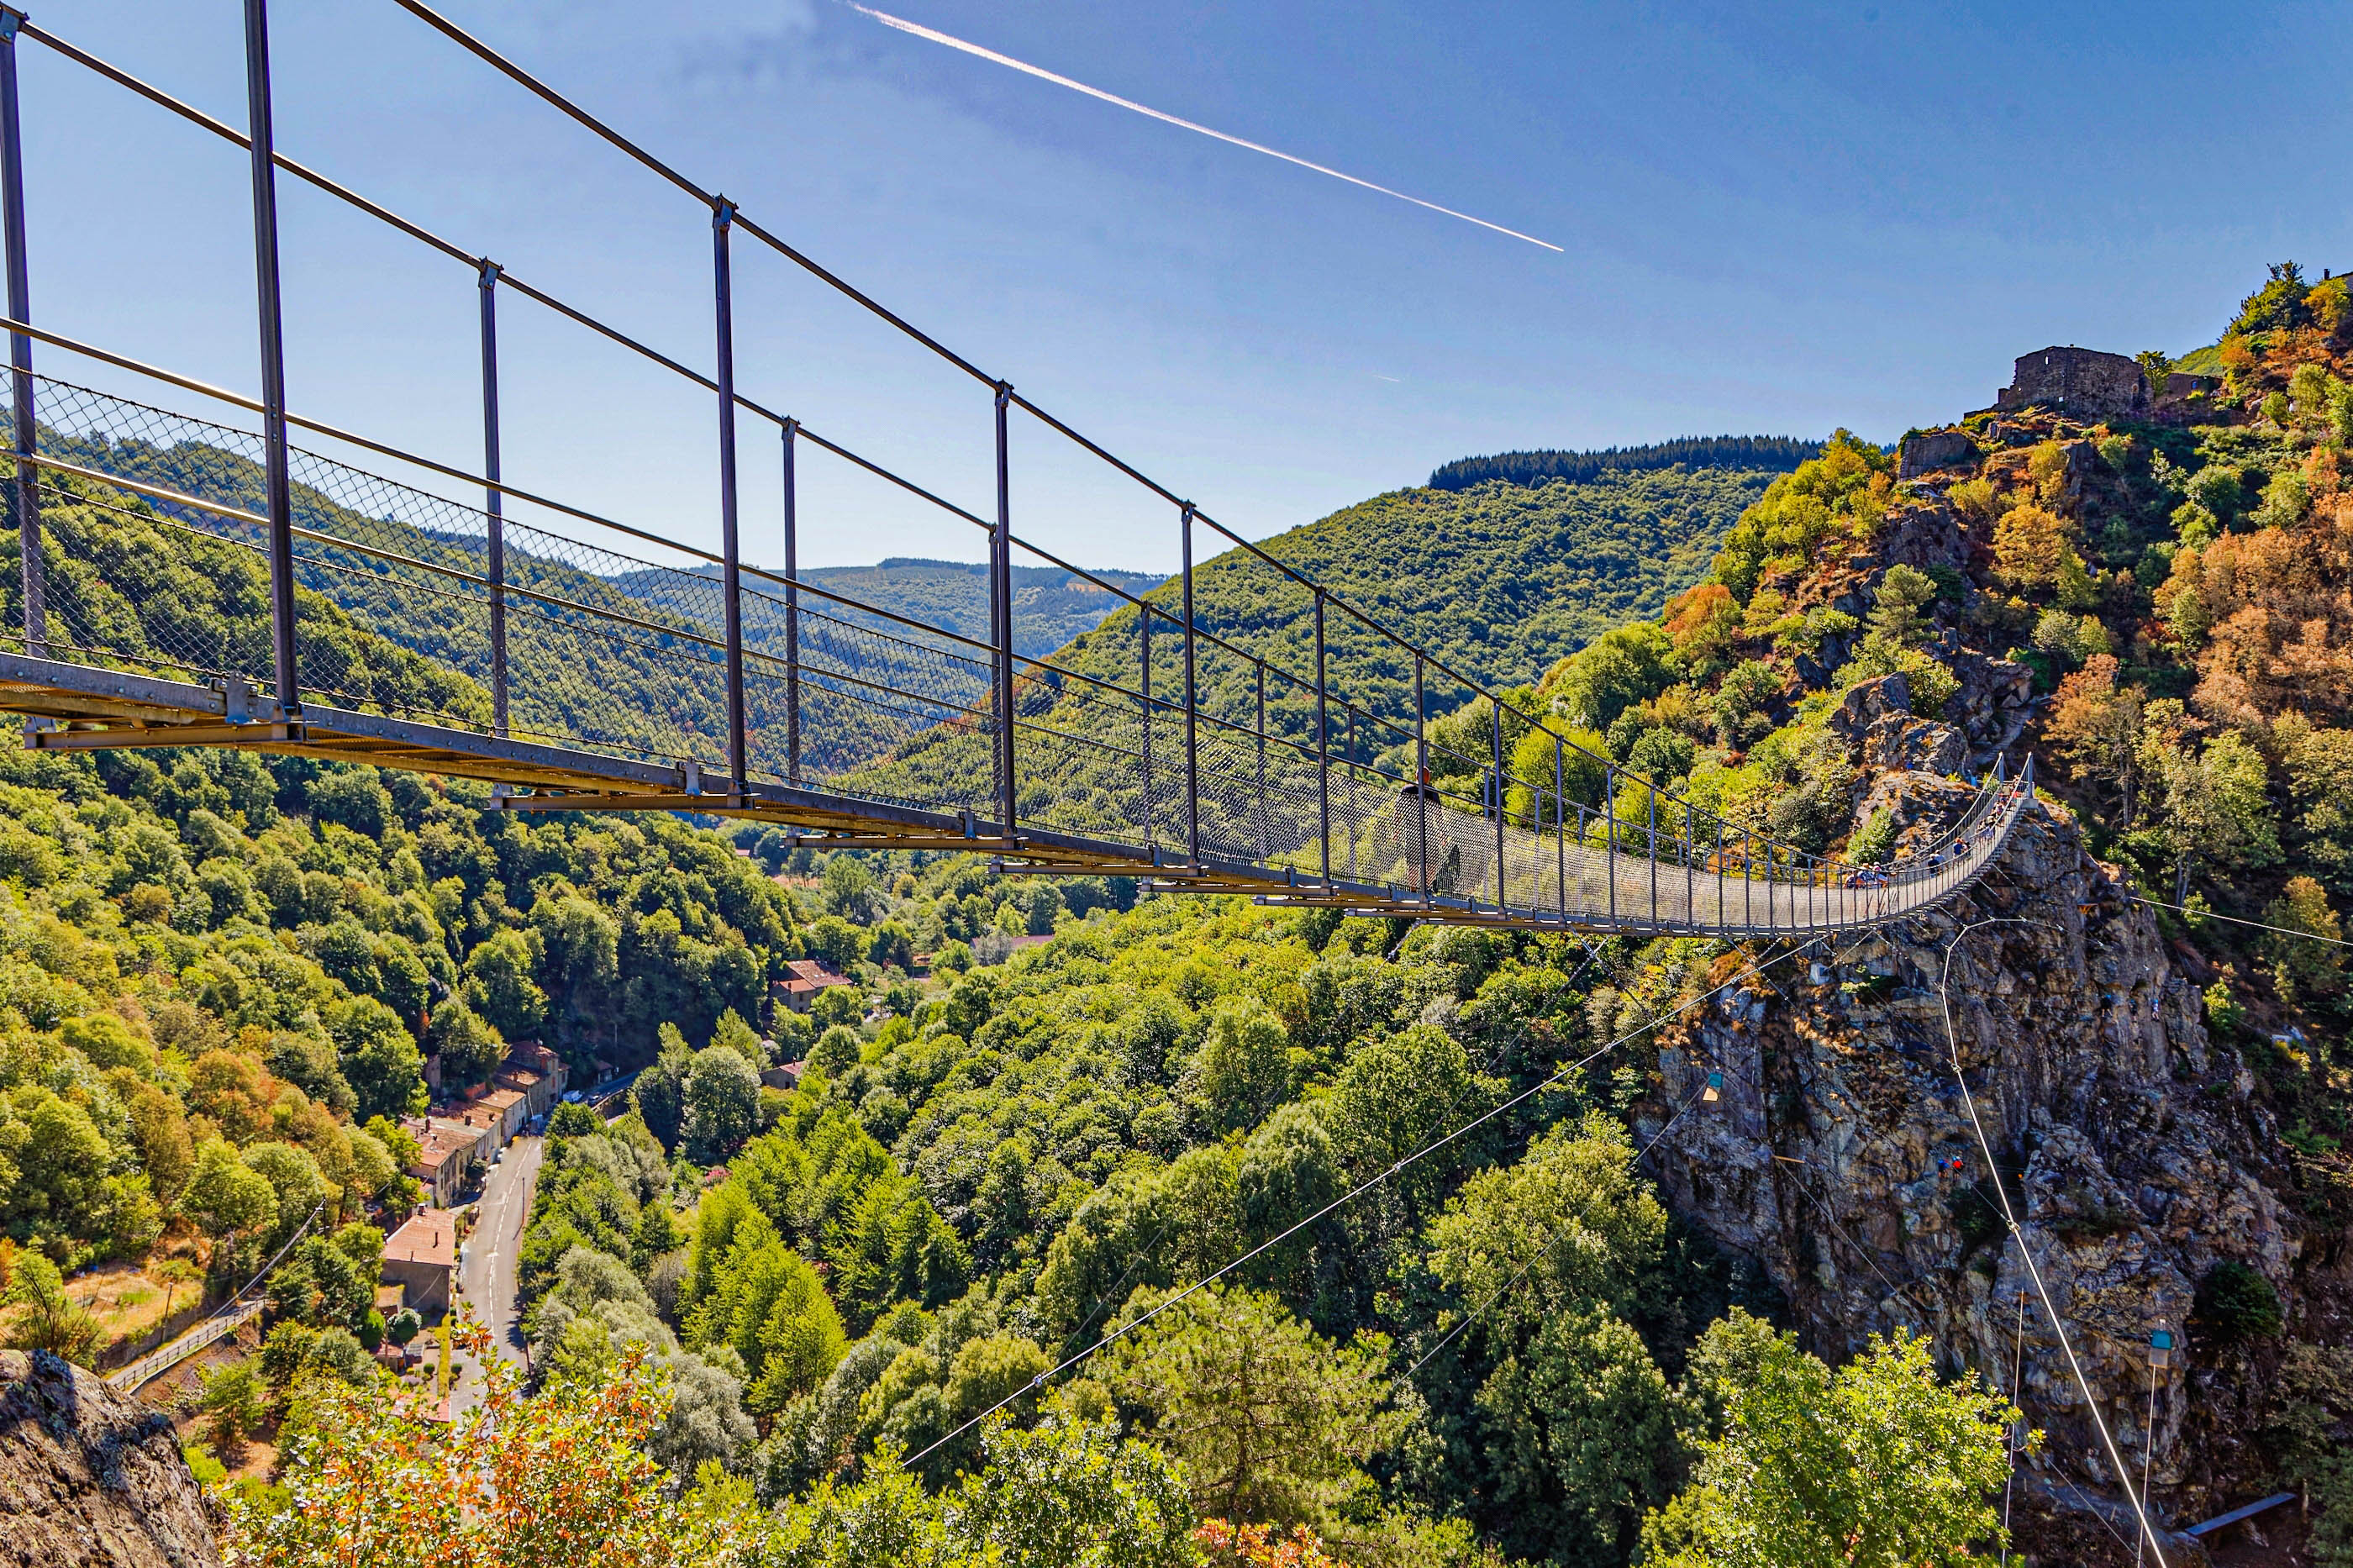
[1759, 454]
[1050, 606]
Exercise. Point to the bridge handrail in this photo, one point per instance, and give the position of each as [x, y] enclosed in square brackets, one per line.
[606, 132]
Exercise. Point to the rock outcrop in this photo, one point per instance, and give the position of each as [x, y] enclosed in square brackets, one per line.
[1842, 1157]
[1921, 454]
[90, 1479]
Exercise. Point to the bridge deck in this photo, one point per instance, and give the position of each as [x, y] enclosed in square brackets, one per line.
[1552, 879]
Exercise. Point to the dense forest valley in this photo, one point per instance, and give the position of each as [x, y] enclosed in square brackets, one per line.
[1560, 1251]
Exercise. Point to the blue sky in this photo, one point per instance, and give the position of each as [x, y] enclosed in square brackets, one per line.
[1776, 219]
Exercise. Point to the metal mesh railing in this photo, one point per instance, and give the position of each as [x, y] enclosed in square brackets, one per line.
[606, 653]
[1209, 740]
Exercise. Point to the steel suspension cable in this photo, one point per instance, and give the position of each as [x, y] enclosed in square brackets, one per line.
[1352, 1193]
[2026, 1255]
[1558, 1231]
[2233, 920]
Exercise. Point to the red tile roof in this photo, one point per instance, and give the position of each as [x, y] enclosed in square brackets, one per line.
[429, 1237]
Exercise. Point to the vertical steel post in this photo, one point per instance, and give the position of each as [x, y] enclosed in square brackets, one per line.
[1260, 665]
[1352, 782]
[722, 221]
[26, 493]
[1715, 861]
[1691, 893]
[1144, 631]
[1192, 708]
[1001, 583]
[792, 602]
[1560, 827]
[1610, 853]
[278, 494]
[1496, 711]
[1421, 783]
[1652, 791]
[493, 497]
[1323, 751]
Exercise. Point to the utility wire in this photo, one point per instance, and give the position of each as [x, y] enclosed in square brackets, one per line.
[1562, 1229]
[2026, 1254]
[2017, 1371]
[2233, 920]
[1040, 1381]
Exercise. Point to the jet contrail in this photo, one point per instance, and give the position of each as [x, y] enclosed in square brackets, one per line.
[919, 30]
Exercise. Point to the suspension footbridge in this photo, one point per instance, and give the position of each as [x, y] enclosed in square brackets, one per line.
[252, 577]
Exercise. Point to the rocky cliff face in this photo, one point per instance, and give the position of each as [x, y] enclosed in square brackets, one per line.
[1843, 1160]
[88, 1479]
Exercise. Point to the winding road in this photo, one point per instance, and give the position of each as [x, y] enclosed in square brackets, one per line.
[486, 1273]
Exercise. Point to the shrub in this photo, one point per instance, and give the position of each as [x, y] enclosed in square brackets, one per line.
[230, 1398]
[2236, 1304]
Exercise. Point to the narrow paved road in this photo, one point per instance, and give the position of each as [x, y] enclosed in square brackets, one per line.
[487, 1274]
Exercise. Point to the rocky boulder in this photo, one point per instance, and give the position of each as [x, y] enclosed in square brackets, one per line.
[1924, 454]
[1875, 720]
[90, 1479]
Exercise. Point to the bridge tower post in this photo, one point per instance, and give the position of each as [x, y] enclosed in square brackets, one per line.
[792, 608]
[494, 497]
[722, 222]
[1192, 704]
[1001, 588]
[279, 495]
[26, 494]
[1322, 750]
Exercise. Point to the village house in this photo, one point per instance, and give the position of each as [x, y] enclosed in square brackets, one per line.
[534, 1073]
[421, 1256]
[444, 1150]
[804, 979]
[496, 1115]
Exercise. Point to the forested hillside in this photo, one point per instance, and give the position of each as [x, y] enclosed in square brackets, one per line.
[1566, 1252]
[1499, 580]
[1771, 454]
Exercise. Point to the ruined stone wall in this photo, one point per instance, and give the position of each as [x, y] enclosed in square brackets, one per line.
[2086, 383]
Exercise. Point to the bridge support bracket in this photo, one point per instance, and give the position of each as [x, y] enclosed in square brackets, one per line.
[162, 735]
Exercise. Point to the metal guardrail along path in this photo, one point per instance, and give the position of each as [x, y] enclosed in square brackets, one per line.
[130, 1379]
[207, 581]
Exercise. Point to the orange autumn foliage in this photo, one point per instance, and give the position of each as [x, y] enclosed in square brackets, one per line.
[2275, 610]
[1225, 1545]
[560, 1481]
